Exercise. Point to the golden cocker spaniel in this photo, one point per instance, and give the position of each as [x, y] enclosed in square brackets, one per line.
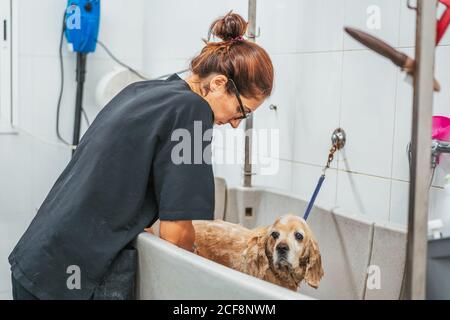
[284, 253]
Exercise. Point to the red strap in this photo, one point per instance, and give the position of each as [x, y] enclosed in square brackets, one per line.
[443, 22]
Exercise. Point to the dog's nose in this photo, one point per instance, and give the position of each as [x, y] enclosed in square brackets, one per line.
[282, 247]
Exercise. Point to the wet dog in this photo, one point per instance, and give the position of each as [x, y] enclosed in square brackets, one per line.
[284, 253]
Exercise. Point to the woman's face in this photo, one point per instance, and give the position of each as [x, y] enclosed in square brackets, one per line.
[226, 105]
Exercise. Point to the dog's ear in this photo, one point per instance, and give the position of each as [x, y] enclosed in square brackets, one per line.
[314, 271]
[255, 260]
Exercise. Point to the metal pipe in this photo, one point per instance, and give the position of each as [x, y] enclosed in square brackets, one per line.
[416, 255]
[249, 122]
[81, 77]
[438, 148]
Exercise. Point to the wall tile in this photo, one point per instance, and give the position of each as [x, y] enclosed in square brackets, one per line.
[407, 25]
[399, 203]
[304, 182]
[279, 25]
[364, 196]
[319, 79]
[320, 25]
[45, 97]
[37, 100]
[442, 70]
[284, 96]
[368, 108]
[39, 26]
[228, 154]
[24, 102]
[363, 15]
[273, 173]
[182, 40]
[15, 195]
[403, 121]
[155, 68]
[122, 29]
[231, 173]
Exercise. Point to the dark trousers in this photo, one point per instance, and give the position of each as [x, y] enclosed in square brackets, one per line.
[19, 292]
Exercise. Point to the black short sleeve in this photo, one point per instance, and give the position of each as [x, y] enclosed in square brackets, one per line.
[120, 180]
[183, 175]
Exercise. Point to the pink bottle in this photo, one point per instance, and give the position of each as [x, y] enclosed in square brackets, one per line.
[441, 128]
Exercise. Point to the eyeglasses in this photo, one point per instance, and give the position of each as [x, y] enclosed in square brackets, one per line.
[245, 114]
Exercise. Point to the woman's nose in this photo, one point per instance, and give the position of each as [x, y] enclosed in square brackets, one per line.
[235, 123]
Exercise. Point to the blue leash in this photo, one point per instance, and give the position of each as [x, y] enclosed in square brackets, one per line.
[338, 140]
[313, 198]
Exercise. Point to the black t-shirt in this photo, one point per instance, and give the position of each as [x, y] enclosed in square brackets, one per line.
[121, 179]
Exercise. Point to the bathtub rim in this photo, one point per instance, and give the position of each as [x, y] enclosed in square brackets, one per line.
[275, 292]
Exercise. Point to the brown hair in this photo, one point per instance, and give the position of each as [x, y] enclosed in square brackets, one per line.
[245, 62]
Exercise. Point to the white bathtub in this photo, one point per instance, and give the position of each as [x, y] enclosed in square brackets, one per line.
[348, 247]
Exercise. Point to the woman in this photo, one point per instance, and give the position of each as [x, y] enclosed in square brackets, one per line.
[123, 176]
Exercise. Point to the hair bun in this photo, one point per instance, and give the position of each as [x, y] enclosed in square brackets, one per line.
[229, 27]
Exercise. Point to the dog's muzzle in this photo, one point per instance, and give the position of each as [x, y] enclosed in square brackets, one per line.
[282, 253]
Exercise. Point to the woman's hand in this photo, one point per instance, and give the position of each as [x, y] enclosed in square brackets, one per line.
[180, 233]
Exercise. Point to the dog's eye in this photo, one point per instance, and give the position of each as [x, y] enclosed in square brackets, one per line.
[275, 235]
[298, 236]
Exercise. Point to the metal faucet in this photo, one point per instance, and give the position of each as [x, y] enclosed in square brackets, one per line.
[437, 148]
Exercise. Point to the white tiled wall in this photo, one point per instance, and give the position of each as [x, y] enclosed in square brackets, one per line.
[338, 82]
[317, 96]
[324, 80]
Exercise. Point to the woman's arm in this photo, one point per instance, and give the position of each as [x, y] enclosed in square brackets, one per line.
[180, 233]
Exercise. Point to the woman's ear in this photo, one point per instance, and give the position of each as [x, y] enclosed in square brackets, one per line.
[314, 270]
[218, 83]
[256, 262]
